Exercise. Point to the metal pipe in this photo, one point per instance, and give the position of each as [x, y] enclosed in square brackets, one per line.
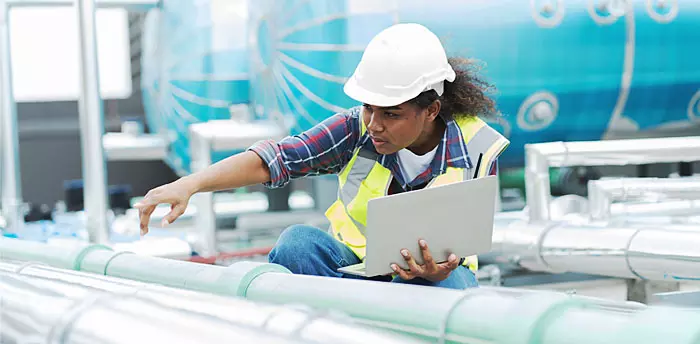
[131, 5]
[10, 180]
[540, 157]
[92, 126]
[427, 313]
[309, 325]
[631, 251]
[52, 311]
[504, 315]
[668, 208]
[602, 193]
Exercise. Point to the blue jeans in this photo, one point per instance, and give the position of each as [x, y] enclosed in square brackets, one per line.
[311, 251]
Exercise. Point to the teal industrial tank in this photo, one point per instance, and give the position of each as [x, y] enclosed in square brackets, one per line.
[562, 70]
[578, 70]
[194, 68]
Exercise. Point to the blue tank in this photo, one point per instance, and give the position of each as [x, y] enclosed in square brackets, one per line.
[195, 66]
[302, 52]
[563, 70]
[578, 70]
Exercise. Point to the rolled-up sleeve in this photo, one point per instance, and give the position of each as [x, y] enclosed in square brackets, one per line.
[323, 149]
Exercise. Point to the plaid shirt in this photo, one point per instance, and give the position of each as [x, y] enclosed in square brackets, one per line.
[328, 147]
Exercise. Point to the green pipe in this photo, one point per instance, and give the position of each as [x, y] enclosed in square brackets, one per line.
[67, 257]
[475, 315]
[514, 178]
[169, 272]
[484, 315]
[175, 273]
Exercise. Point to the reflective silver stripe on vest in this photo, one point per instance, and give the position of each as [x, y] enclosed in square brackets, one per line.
[479, 144]
[364, 163]
[360, 170]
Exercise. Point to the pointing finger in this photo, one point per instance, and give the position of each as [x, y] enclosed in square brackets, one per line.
[145, 218]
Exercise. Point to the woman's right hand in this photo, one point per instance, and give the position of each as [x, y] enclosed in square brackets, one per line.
[177, 194]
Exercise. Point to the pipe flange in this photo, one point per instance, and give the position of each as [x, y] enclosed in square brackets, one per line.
[540, 241]
[538, 111]
[533, 313]
[662, 11]
[607, 12]
[549, 14]
[442, 330]
[627, 255]
[109, 261]
[83, 251]
[694, 107]
[240, 275]
[26, 265]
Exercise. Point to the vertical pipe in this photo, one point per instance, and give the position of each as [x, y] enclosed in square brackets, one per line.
[91, 126]
[205, 218]
[10, 181]
[537, 185]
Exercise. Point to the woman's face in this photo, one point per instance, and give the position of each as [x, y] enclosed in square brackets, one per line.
[397, 127]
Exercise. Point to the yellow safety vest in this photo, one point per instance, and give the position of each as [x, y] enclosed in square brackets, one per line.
[364, 178]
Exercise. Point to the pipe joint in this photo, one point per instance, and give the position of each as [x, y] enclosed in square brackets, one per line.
[79, 254]
[535, 313]
[240, 275]
[97, 261]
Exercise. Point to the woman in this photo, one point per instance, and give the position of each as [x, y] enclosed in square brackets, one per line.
[418, 127]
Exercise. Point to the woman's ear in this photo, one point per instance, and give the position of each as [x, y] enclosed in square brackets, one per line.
[433, 110]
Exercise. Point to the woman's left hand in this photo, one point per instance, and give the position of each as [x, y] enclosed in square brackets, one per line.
[429, 270]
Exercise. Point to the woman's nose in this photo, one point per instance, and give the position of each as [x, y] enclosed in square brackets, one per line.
[375, 123]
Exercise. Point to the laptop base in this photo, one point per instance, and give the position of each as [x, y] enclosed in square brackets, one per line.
[356, 269]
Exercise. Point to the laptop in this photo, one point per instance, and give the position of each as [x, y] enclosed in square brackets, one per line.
[456, 218]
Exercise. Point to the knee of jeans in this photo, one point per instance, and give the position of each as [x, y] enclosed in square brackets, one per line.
[295, 242]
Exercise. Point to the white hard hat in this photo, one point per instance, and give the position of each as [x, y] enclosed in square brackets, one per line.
[398, 64]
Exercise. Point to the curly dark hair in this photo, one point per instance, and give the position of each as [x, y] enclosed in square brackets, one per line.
[465, 96]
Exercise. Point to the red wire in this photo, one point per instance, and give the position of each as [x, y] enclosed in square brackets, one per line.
[236, 254]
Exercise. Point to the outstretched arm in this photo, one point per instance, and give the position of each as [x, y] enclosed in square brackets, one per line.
[323, 149]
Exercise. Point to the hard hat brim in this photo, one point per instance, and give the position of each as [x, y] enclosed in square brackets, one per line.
[362, 95]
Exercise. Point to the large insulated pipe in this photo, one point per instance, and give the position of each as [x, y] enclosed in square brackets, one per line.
[629, 251]
[540, 157]
[10, 181]
[481, 315]
[66, 257]
[36, 310]
[288, 321]
[92, 127]
[602, 193]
